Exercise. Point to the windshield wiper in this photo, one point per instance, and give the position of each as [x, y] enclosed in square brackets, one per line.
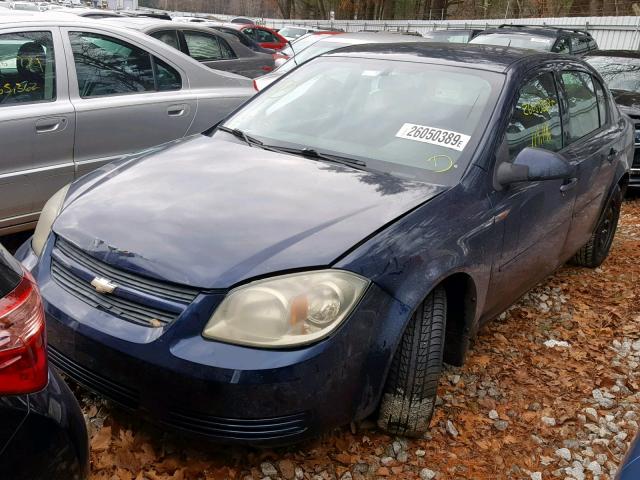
[236, 132]
[327, 157]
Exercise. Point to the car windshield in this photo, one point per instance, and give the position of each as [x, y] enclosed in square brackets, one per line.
[292, 32]
[447, 36]
[620, 73]
[519, 40]
[301, 43]
[310, 52]
[415, 120]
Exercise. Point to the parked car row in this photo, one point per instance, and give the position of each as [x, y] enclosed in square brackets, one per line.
[258, 268]
[78, 94]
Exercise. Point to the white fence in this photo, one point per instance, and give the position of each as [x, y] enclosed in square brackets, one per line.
[609, 32]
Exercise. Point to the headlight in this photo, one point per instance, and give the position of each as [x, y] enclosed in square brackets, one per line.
[285, 311]
[49, 213]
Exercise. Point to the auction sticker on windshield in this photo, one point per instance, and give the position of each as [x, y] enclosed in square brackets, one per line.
[434, 136]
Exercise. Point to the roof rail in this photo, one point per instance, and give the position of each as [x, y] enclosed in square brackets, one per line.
[549, 27]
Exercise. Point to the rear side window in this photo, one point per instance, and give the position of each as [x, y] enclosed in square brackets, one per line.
[562, 46]
[167, 77]
[110, 66]
[225, 49]
[264, 36]
[580, 44]
[27, 68]
[203, 47]
[583, 105]
[250, 32]
[536, 118]
[170, 37]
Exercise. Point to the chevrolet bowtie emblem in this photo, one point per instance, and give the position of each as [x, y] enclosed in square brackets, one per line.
[103, 285]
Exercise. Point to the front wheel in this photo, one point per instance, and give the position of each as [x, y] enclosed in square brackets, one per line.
[410, 392]
[595, 251]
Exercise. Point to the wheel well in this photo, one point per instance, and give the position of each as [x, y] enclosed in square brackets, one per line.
[461, 309]
[624, 183]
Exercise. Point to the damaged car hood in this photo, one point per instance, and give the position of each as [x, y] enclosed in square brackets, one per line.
[210, 213]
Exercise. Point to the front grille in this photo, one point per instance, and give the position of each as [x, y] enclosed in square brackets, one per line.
[125, 396]
[159, 304]
[636, 158]
[239, 429]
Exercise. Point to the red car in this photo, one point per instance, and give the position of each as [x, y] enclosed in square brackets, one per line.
[264, 36]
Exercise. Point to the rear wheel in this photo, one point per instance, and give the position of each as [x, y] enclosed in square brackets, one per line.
[410, 392]
[595, 251]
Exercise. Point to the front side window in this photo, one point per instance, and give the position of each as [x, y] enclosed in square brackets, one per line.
[203, 47]
[109, 66]
[27, 68]
[536, 119]
[412, 120]
[582, 105]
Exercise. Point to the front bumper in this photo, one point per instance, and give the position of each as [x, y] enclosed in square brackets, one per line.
[217, 390]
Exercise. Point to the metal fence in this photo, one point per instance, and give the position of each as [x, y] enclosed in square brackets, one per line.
[609, 32]
[622, 32]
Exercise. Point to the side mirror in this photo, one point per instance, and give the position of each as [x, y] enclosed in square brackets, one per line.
[532, 165]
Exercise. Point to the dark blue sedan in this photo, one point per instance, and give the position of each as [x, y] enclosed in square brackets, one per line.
[316, 257]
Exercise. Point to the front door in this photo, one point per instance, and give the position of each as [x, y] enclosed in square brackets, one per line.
[534, 216]
[37, 124]
[126, 99]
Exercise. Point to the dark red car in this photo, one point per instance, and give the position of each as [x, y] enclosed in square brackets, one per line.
[264, 36]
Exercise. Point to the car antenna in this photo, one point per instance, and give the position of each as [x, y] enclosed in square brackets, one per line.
[294, 52]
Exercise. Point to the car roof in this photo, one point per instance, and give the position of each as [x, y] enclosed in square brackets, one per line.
[484, 57]
[614, 53]
[145, 23]
[369, 37]
[540, 30]
[51, 18]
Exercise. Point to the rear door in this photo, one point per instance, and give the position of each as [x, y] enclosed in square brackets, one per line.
[593, 137]
[37, 123]
[535, 216]
[126, 98]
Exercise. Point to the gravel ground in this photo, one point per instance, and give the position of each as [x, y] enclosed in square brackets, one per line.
[550, 390]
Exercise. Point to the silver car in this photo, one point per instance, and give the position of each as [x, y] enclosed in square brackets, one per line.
[201, 42]
[326, 43]
[76, 94]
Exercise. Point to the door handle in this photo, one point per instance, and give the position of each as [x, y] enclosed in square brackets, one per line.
[612, 155]
[176, 110]
[50, 125]
[571, 183]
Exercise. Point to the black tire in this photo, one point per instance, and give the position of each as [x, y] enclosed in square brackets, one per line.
[409, 395]
[595, 251]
